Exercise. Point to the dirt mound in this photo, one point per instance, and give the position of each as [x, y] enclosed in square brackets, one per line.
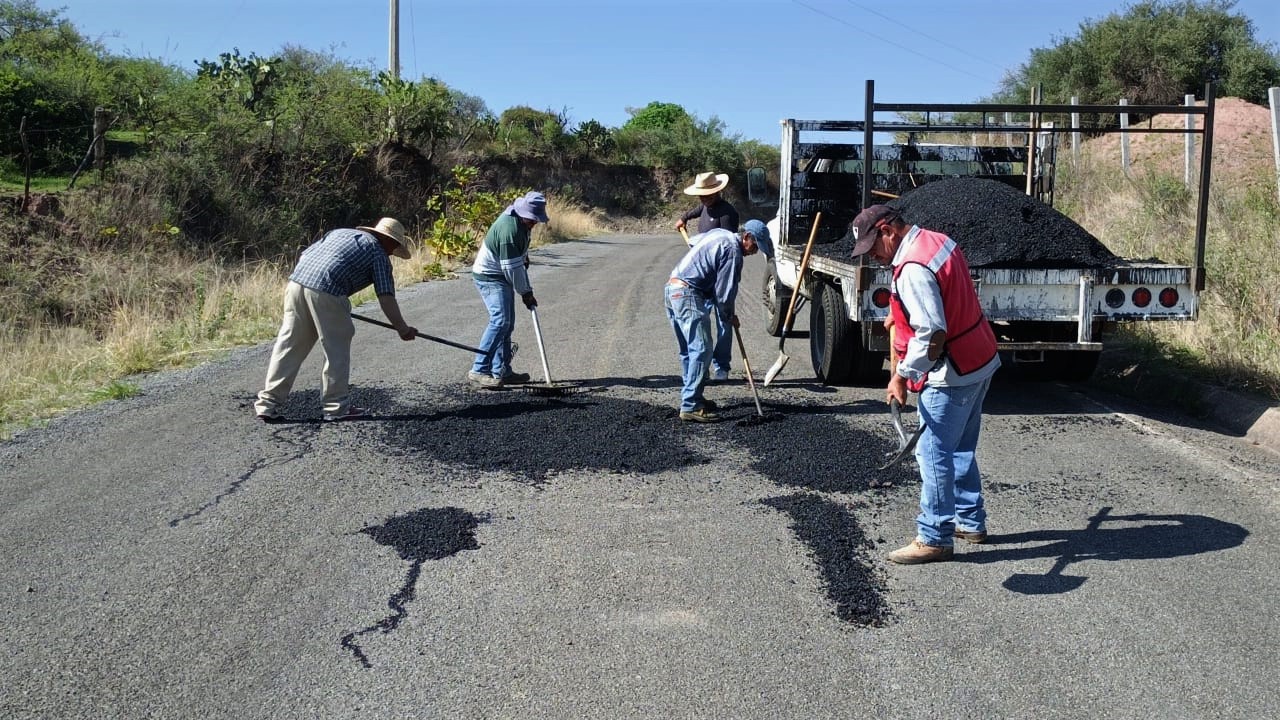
[997, 226]
[1241, 142]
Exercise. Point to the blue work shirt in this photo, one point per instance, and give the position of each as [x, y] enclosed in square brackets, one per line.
[713, 267]
[344, 262]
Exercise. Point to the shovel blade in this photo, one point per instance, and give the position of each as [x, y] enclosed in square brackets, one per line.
[776, 368]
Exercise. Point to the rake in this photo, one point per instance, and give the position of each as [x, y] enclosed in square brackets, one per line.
[549, 389]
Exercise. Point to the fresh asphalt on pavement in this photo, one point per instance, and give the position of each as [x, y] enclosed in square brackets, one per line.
[477, 554]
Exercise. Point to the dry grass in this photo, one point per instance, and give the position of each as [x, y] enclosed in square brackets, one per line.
[168, 312]
[1149, 214]
[148, 310]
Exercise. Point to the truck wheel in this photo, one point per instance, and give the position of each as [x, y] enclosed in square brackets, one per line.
[833, 342]
[867, 368]
[776, 297]
[1071, 365]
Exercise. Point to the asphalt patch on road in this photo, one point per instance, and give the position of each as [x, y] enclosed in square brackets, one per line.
[854, 582]
[535, 438]
[812, 447]
[418, 536]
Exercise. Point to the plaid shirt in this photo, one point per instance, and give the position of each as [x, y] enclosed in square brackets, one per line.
[343, 262]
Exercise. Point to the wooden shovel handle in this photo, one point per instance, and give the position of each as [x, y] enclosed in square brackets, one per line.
[804, 264]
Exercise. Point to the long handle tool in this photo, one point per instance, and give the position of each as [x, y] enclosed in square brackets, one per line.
[424, 336]
[750, 379]
[550, 388]
[781, 362]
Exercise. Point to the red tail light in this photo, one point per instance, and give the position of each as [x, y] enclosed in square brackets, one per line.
[880, 298]
[1168, 297]
[1141, 297]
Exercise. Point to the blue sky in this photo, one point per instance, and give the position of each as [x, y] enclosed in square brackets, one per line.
[747, 62]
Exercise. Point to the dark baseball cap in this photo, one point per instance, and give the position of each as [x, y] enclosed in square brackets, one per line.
[864, 229]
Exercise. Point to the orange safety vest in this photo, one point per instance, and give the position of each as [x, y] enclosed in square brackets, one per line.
[970, 343]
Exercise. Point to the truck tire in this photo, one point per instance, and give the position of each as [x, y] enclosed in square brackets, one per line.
[833, 340]
[867, 367]
[1071, 365]
[776, 297]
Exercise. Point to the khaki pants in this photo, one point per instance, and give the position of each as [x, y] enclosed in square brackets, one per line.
[310, 316]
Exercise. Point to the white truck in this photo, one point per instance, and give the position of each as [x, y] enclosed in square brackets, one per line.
[1049, 322]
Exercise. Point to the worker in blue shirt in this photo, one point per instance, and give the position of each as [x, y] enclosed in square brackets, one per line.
[707, 278]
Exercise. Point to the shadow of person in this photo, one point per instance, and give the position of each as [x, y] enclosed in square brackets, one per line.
[1155, 537]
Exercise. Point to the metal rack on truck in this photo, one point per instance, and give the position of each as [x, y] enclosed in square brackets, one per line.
[1049, 320]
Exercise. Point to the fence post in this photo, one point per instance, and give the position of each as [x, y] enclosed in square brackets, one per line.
[1190, 142]
[100, 139]
[1124, 138]
[1075, 132]
[1273, 96]
[26, 164]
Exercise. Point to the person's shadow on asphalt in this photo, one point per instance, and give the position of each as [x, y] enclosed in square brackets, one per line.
[1156, 537]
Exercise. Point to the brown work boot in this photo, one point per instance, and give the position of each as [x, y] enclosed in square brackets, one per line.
[701, 414]
[918, 553]
[973, 536]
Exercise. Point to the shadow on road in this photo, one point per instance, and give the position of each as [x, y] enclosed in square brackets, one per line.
[1155, 537]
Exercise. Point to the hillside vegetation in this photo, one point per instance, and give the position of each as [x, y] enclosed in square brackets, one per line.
[215, 177]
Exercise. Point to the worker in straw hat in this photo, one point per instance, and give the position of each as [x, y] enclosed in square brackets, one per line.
[317, 306]
[713, 212]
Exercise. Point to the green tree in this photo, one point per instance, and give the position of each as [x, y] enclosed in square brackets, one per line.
[1154, 53]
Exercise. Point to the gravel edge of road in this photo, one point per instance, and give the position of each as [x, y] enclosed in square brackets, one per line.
[1237, 414]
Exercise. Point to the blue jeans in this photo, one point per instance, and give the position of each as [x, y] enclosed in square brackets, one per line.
[500, 299]
[724, 344]
[951, 492]
[689, 313]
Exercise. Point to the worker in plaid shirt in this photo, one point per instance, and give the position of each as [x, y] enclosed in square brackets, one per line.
[317, 306]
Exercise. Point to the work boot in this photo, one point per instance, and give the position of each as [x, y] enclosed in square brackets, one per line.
[515, 378]
[918, 553]
[484, 380]
[973, 536]
[719, 375]
[700, 414]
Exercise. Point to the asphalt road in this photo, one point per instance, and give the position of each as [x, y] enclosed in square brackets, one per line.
[480, 554]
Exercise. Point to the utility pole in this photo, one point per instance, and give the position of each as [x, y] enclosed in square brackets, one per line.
[393, 63]
[393, 44]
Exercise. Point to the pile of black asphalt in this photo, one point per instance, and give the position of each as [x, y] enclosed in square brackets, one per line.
[996, 226]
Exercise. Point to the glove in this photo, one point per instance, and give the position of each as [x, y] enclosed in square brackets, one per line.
[530, 301]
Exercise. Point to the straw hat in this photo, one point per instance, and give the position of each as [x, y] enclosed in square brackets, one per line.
[707, 183]
[390, 229]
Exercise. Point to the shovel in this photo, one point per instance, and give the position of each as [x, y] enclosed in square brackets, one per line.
[781, 362]
[424, 336]
[906, 443]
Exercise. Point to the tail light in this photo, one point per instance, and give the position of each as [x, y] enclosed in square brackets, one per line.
[880, 298]
[1115, 298]
[1168, 297]
[1141, 297]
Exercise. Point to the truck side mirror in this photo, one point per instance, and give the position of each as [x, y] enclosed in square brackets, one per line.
[758, 188]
